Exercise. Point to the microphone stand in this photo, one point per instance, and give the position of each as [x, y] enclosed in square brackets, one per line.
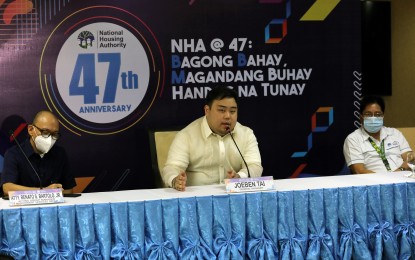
[246, 165]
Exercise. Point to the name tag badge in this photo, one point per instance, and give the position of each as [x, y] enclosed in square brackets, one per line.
[249, 184]
[33, 197]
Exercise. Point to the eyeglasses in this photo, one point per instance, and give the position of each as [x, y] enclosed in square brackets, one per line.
[376, 114]
[45, 133]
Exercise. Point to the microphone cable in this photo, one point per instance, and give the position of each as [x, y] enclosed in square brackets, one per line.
[243, 159]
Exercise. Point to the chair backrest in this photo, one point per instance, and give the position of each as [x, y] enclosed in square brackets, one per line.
[160, 141]
[409, 133]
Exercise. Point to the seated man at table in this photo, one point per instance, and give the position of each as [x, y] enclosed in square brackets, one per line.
[43, 164]
[374, 147]
[204, 153]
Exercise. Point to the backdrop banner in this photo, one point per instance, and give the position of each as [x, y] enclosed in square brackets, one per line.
[112, 70]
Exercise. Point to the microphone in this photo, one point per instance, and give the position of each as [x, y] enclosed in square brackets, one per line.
[228, 129]
[31, 165]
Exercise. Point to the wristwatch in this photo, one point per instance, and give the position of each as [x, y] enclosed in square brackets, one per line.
[402, 168]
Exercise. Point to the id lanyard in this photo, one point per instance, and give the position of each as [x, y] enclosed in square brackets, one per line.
[381, 152]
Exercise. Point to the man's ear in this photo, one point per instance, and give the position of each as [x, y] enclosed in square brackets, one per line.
[206, 108]
[30, 129]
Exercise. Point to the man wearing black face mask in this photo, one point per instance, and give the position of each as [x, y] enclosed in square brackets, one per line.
[374, 147]
[50, 163]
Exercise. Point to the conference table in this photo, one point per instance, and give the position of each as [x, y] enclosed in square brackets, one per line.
[368, 216]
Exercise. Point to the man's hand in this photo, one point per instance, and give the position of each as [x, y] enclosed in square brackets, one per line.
[179, 183]
[55, 186]
[231, 174]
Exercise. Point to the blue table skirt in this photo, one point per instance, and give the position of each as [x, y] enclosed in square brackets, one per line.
[367, 222]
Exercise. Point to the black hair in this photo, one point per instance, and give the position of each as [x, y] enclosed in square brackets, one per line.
[369, 100]
[220, 93]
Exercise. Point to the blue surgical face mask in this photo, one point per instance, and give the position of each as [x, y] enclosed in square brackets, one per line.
[373, 124]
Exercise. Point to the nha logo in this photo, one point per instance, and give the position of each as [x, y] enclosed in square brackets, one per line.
[86, 38]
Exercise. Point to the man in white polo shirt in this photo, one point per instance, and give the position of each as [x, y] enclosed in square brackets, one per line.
[374, 147]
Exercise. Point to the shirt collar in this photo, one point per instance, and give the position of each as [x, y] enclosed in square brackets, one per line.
[27, 147]
[206, 131]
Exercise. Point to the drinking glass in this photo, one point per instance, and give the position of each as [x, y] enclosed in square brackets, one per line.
[410, 161]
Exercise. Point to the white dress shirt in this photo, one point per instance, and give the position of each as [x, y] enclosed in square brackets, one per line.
[358, 149]
[206, 157]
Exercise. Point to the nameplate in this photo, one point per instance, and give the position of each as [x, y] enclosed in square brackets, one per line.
[33, 197]
[249, 184]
